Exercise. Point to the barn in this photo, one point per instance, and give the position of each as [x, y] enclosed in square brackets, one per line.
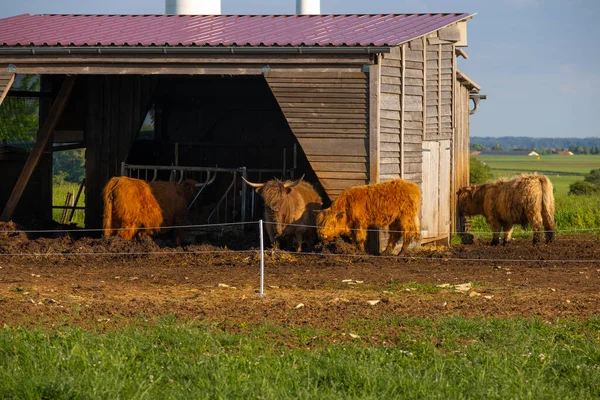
[344, 100]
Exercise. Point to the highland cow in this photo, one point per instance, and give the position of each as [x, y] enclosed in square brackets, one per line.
[527, 200]
[391, 205]
[289, 210]
[136, 208]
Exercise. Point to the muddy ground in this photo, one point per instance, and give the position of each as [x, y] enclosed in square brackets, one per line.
[103, 283]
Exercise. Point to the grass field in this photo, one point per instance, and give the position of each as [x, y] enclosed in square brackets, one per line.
[562, 170]
[451, 358]
[59, 194]
[551, 164]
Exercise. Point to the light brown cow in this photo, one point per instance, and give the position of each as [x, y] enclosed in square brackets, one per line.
[136, 208]
[525, 200]
[289, 210]
[391, 205]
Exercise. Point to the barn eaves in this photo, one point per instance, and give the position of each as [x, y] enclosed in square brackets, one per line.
[41, 50]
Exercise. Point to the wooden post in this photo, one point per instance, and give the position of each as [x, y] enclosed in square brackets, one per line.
[374, 140]
[42, 139]
[4, 90]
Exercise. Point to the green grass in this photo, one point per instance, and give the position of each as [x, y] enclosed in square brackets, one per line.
[577, 164]
[451, 358]
[59, 194]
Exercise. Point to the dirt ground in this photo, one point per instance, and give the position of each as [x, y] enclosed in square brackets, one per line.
[97, 282]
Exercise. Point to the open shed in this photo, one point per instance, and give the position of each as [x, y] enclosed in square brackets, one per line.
[345, 100]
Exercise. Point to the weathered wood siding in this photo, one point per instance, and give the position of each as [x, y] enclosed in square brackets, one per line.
[327, 112]
[402, 112]
[439, 61]
[461, 148]
[116, 107]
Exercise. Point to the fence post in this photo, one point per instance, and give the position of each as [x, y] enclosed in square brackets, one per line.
[262, 259]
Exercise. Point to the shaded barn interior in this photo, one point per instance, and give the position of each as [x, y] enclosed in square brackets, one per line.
[205, 121]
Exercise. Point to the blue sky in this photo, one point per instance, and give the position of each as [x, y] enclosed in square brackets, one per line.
[537, 60]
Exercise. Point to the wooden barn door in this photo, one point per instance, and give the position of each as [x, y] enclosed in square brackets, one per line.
[435, 209]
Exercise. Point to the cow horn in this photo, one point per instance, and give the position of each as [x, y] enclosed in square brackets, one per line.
[254, 185]
[292, 184]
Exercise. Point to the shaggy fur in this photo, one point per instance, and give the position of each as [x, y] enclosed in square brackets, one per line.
[290, 205]
[131, 205]
[524, 200]
[392, 205]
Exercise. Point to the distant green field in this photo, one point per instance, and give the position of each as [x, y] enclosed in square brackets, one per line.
[577, 164]
[562, 170]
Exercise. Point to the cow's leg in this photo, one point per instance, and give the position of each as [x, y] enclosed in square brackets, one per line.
[537, 226]
[128, 232]
[360, 237]
[395, 235]
[271, 234]
[298, 241]
[410, 231]
[496, 230]
[508, 230]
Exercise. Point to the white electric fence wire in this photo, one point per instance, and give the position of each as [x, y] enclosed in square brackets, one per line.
[262, 259]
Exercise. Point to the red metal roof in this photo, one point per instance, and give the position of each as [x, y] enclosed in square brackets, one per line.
[220, 30]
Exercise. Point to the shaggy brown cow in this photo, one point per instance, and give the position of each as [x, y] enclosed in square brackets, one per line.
[525, 200]
[136, 208]
[391, 205]
[289, 210]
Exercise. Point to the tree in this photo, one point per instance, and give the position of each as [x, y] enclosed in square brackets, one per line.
[583, 188]
[479, 171]
[497, 147]
[477, 147]
[593, 177]
[19, 117]
[69, 164]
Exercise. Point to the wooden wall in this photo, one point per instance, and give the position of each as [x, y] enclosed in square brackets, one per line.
[418, 122]
[116, 106]
[328, 114]
[461, 148]
[6, 81]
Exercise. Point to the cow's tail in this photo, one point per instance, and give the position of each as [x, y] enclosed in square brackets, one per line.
[108, 207]
[547, 208]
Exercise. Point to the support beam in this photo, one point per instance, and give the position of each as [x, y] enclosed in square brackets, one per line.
[6, 82]
[42, 140]
[374, 236]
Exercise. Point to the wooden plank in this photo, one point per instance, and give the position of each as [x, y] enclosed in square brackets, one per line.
[414, 55]
[390, 137]
[375, 100]
[390, 169]
[329, 106]
[413, 116]
[390, 101]
[413, 103]
[316, 112]
[336, 167]
[414, 90]
[295, 83]
[414, 73]
[304, 95]
[404, 91]
[338, 158]
[36, 153]
[7, 82]
[386, 146]
[316, 74]
[346, 175]
[391, 80]
[337, 146]
[387, 88]
[390, 123]
[390, 114]
[325, 131]
[318, 92]
[416, 44]
[390, 71]
[414, 82]
[340, 184]
[322, 121]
